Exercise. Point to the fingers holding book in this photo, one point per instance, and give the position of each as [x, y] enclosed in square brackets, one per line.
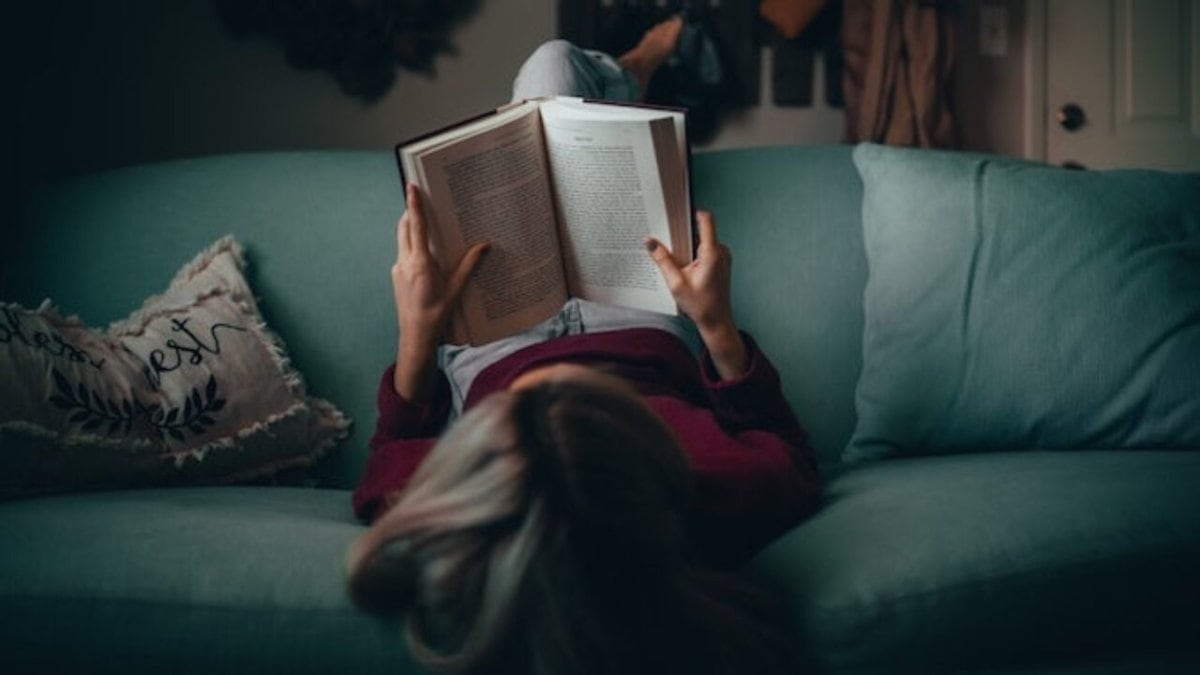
[702, 286]
[425, 294]
[412, 233]
[702, 290]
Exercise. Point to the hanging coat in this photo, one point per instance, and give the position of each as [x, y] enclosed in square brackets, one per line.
[899, 61]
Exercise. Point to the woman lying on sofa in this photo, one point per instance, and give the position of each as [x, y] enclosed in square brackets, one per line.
[605, 463]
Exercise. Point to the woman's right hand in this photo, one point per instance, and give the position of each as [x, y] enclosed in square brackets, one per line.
[702, 290]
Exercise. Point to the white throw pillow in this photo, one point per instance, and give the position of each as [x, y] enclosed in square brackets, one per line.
[191, 388]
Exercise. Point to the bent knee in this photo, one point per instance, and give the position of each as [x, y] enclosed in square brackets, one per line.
[547, 72]
[553, 51]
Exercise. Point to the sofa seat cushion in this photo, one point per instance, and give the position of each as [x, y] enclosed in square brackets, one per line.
[997, 561]
[216, 579]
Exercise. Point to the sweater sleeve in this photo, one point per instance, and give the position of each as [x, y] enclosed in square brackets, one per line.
[404, 434]
[755, 401]
[756, 475]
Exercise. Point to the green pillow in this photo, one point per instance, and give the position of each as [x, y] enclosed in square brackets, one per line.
[1012, 304]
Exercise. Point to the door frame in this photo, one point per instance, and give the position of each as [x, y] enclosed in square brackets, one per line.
[1035, 111]
[1034, 133]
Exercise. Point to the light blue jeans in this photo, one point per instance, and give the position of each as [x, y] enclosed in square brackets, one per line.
[559, 68]
[462, 363]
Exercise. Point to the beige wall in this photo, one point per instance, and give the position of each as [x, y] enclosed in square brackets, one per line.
[108, 84]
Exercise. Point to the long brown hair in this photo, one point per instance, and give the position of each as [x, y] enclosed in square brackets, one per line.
[545, 533]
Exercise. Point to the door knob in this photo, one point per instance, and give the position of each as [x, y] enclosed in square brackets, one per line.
[1071, 117]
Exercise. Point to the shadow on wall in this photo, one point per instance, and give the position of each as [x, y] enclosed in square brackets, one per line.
[359, 41]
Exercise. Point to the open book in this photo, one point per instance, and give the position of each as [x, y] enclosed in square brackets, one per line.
[565, 191]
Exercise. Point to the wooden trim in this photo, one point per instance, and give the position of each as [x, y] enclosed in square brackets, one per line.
[1034, 132]
[1194, 45]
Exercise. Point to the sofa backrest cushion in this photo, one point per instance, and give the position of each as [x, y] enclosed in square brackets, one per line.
[792, 218]
[318, 229]
[1013, 305]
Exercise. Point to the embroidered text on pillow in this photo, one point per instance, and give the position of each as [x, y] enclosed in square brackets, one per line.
[50, 342]
[156, 359]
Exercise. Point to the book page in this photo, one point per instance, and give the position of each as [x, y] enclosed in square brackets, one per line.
[610, 197]
[494, 187]
[669, 138]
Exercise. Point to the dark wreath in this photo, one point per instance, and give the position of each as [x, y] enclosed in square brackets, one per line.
[361, 42]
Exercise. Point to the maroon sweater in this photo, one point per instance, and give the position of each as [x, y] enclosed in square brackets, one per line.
[754, 474]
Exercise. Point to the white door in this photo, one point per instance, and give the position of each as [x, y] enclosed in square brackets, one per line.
[1122, 83]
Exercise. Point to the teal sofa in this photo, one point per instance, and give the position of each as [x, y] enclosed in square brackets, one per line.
[1016, 560]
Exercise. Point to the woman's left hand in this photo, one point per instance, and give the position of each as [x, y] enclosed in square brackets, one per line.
[425, 295]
